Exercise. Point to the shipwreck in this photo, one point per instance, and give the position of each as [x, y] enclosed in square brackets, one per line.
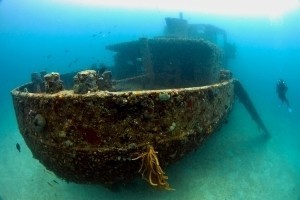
[163, 97]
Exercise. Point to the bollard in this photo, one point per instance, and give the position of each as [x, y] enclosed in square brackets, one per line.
[37, 82]
[53, 84]
[85, 81]
[105, 82]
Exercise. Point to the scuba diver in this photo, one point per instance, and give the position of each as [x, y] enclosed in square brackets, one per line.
[281, 89]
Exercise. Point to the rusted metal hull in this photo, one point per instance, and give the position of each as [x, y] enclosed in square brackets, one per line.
[92, 138]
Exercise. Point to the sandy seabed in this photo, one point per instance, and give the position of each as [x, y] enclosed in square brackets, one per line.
[234, 163]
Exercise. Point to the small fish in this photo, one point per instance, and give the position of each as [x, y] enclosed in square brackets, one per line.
[18, 147]
[50, 184]
[55, 181]
[49, 56]
[76, 60]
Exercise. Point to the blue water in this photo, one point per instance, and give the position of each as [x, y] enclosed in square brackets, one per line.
[232, 164]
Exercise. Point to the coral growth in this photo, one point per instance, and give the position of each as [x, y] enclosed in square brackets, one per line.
[151, 170]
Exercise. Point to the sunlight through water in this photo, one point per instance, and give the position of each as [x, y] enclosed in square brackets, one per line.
[270, 8]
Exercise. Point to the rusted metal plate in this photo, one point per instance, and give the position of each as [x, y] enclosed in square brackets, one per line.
[92, 138]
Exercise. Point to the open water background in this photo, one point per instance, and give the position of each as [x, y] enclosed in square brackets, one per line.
[232, 164]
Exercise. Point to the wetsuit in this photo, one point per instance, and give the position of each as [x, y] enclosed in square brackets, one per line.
[281, 91]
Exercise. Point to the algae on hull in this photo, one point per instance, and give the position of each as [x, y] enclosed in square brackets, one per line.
[92, 138]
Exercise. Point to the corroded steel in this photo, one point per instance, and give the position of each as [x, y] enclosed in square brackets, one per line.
[93, 137]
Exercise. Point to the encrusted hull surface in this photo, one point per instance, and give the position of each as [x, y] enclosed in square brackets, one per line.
[92, 138]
